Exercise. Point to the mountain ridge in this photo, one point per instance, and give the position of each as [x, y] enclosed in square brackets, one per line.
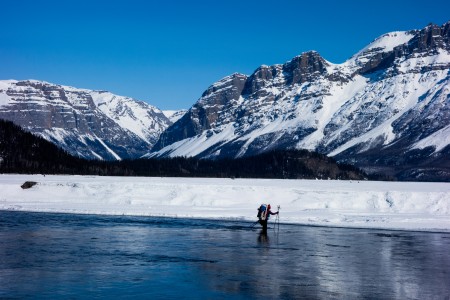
[388, 103]
[381, 97]
[86, 123]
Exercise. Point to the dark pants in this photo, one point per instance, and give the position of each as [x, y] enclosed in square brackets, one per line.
[264, 224]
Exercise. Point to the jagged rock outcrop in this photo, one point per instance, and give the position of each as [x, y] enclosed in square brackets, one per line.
[202, 115]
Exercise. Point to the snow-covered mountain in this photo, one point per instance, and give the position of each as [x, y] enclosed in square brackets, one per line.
[86, 123]
[385, 109]
[174, 115]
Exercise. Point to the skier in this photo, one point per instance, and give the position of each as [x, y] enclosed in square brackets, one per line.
[264, 213]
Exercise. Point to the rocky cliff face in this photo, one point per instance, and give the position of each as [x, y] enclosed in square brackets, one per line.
[390, 99]
[90, 124]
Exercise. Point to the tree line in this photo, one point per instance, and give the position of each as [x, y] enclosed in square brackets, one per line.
[24, 153]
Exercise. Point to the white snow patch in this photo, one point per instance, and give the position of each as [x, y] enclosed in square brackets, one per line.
[56, 133]
[406, 98]
[4, 99]
[388, 41]
[331, 104]
[196, 145]
[392, 205]
[108, 149]
[136, 116]
[96, 155]
[439, 139]
[5, 84]
[174, 115]
[169, 113]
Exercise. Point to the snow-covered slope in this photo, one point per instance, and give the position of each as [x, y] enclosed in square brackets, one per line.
[385, 101]
[90, 124]
[399, 205]
[174, 115]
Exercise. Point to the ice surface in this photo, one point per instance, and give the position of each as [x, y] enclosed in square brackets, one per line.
[368, 204]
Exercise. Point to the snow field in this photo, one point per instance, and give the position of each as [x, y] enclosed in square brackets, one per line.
[389, 205]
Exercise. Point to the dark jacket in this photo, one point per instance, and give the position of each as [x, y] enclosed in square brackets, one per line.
[270, 213]
[264, 222]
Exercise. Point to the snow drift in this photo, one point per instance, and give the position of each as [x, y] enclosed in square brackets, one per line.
[390, 205]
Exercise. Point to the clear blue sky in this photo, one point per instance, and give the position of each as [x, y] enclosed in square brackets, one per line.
[168, 52]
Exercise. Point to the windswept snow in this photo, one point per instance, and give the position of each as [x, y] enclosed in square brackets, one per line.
[390, 205]
[174, 115]
[387, 42]
[4, 99]
[133, 115]
[108, 149]
[440, 139]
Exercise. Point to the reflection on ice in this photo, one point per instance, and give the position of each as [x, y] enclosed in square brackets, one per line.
[66, 256]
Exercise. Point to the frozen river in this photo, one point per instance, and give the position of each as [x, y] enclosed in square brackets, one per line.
[63, 256]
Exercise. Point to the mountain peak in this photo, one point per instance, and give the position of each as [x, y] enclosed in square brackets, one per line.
[235, 79]
[305, 67]
[386, 42]
[430, 39]
[91, 124]
[311, 54]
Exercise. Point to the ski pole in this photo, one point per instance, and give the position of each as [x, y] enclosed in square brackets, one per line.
[278, 217]
[254, 224]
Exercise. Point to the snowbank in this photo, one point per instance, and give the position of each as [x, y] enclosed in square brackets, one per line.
[393, 205]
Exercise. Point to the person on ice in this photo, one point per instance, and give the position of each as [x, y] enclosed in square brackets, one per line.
[264, 213]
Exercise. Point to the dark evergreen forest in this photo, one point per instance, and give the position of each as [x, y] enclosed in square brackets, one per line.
[25, 153]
